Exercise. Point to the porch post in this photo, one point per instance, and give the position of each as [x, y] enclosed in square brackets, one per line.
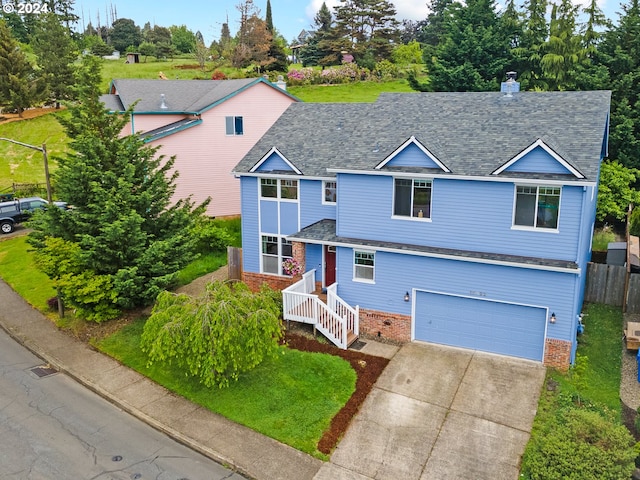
[298, 254]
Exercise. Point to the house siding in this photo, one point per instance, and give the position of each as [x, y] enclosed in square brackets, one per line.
[250, 225]
[205, 155]
[540, 161]
[311, 207]
[396, 274]
[464, 216]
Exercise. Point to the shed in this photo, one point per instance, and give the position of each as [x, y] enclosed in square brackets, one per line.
[133, 58]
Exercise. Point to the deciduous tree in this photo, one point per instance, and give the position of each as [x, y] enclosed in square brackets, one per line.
[217, 336]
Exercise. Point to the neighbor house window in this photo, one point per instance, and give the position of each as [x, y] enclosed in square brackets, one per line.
[412, 198]
[275, 250]
[234, 125]
[363, 265]
[330, 189]
[537, 206]
[279, 188]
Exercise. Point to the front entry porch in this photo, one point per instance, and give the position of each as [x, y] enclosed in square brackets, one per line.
[334, 318]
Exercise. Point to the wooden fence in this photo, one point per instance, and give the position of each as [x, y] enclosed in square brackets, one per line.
[234, 263]
[606, 284]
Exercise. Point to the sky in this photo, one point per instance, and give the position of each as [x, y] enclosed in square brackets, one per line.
[290, 17]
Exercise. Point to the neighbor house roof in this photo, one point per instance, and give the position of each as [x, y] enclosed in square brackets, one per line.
[175, 96]
[471, 133]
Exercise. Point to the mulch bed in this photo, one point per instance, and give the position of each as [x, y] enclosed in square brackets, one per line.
[368, 368]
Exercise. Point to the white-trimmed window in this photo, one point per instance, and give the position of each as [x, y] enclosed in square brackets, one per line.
[537, 206]
[412, 198]
[329, 191]
[364, 265]
[283, 189]
[275, 250]
[234, 125]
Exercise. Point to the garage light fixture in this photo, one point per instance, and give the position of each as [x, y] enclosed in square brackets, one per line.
[552, 318]
[407, 297]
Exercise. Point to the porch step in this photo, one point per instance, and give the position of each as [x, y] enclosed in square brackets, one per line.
[351, 337]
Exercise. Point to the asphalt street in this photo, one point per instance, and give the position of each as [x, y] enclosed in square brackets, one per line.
[53, 428]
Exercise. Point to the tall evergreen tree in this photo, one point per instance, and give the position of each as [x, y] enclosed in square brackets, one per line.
[564, 51]
[276, 49]
[316, 48]
[124, 241]
[474, 53]
[20, 86]
[56, 53]
[269, 18]
[619, 51]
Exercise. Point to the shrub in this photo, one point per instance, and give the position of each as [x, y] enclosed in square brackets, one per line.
[211, 237]
[217, 336]
[602, 238]
[581, 445]
[385, 70]
[218, 75]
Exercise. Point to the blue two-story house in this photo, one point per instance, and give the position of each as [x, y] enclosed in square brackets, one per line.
[462, 219]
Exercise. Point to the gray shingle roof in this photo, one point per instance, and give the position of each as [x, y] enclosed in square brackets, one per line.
[471, 133]
[180, 96]
[324, 231]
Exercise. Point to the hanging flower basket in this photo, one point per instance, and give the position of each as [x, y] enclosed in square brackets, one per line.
[291, 267]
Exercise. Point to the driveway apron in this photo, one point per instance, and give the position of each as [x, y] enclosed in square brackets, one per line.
[439, 413]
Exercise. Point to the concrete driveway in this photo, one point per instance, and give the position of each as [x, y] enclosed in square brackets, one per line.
[440, 413]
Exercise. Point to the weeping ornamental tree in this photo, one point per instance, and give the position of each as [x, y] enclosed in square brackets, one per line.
[216, 336]
[123, 241]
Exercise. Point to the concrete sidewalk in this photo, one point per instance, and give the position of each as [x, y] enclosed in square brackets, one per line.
[230, 444]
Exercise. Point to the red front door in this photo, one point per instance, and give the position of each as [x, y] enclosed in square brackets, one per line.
[329, 265]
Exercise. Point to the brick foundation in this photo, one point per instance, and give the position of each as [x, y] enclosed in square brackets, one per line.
[384, 325]
[255, 280]
[557, 354]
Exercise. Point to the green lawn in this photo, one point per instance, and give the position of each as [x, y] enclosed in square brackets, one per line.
[592, 386]
[292, 398]
[19, 271]
[20, 164]
[348, 92]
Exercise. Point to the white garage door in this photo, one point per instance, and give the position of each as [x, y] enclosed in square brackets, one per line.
[505, 328]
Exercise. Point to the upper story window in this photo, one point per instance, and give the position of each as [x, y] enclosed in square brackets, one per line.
[537, 206]
[364, 265]
[279, 188]
[234, 125]
[412, 198]
[329, 190]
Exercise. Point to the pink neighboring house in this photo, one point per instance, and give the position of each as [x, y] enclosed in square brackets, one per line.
[209, 125]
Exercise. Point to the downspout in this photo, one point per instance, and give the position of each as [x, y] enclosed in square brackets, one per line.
[133, 130]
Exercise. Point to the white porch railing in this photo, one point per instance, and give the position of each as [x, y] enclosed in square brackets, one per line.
[335, 319]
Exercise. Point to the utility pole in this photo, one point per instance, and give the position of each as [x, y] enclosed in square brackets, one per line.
[42, 149]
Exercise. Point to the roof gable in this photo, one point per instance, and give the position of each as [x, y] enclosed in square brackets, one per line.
[412, 153]
[274, 161]
[539, 158]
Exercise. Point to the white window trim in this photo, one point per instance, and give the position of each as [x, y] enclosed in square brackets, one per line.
[324, 183]
[279, 182]
[364, 280]
[280, 256]
[412, 218]
[234, 134]
[534, 228]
